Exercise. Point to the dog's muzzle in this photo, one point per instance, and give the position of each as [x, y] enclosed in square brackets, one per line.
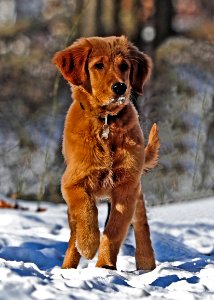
[119, 89]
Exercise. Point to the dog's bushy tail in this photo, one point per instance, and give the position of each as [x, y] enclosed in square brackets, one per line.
[152, 149]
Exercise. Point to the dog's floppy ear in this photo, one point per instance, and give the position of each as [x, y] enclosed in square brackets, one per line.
[141, 66]
[71, 62]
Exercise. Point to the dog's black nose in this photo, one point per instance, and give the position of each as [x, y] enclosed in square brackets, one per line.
[119, 88]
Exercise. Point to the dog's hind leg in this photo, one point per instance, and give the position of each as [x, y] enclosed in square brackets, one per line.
[144, 254]
[84, 215]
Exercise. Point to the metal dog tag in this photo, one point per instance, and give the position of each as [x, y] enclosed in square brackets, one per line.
[105, 132]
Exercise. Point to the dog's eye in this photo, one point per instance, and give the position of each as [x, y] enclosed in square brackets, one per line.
[99, 66]
[124, 67]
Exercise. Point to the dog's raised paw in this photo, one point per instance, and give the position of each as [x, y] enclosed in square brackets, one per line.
[87, 243]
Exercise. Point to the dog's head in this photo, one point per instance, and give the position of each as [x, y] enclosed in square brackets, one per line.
[106, 69]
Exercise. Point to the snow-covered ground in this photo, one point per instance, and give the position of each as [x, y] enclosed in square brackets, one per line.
[32, 246]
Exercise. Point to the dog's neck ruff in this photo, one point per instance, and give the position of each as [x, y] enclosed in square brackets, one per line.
[105, 131]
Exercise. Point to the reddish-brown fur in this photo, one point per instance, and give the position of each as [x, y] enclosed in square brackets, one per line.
[110, 166]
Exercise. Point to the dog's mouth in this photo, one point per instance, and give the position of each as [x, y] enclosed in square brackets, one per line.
[119, 100]
[114, 102]
[113, 106]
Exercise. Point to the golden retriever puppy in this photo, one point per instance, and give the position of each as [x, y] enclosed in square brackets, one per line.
[103, 147]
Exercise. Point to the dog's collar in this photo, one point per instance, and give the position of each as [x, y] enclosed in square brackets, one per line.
[112, 118]
[107, 119]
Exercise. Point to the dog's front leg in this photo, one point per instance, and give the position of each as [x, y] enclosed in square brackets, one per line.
[83, 216]
[122, 209]
[72, 256]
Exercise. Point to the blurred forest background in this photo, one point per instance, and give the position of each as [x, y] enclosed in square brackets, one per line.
[177, 34]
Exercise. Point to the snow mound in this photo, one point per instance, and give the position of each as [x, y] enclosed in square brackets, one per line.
[32, 246]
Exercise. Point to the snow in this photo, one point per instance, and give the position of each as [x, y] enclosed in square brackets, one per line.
[32, 246]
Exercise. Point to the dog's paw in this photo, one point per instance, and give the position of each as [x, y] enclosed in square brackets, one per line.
[87, 241]
[145, 264]
[98, 265]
